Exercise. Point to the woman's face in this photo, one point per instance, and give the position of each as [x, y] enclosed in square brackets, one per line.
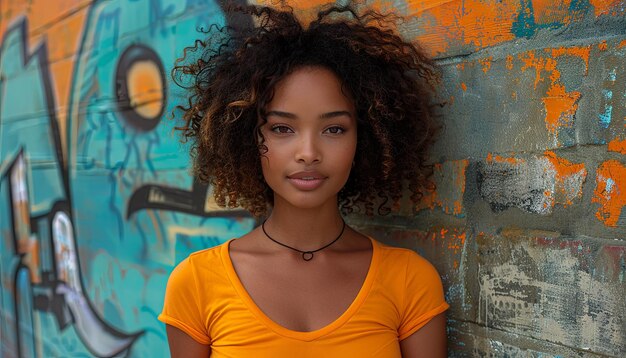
[311, 139]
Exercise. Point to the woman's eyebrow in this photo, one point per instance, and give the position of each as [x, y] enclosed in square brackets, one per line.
[281, 114]
[335, 114]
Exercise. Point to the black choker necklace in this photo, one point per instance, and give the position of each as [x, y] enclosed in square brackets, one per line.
[306, 255]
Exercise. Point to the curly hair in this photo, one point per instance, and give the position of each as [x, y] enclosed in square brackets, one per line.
[231, 76]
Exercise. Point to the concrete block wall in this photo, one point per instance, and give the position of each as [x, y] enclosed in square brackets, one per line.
[525, 225]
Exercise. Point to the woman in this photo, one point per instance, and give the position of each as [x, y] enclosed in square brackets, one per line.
[299, 125]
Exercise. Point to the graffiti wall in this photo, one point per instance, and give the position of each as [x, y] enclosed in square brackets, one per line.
[526, 225]
[96, 198]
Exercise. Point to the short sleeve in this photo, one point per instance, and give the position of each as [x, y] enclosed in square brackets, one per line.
[181, 308]
[423, 298]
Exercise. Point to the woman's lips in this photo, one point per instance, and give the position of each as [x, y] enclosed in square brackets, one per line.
[306, 181]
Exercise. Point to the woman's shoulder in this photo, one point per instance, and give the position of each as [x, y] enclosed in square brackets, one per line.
[206, 258]
[396, 251]
[213, 251]
[393, 257]
[412, 275]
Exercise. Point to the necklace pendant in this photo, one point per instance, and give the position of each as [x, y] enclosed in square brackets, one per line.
[306, 255]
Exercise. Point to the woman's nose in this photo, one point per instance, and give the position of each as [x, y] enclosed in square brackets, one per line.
[308, 151]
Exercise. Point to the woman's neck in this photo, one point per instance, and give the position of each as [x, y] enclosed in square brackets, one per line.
[304, 228]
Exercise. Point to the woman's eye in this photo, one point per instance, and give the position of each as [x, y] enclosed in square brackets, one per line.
[281, 129]
[335, 130]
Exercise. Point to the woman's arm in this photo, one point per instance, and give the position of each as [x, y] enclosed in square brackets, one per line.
[181, 345]
[429, 341]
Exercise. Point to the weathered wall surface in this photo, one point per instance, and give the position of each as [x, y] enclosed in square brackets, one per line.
[525, 226]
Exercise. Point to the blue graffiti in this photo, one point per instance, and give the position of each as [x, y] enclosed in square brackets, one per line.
[93, 224]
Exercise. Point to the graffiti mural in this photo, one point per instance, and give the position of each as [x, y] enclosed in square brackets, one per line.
[97, 202]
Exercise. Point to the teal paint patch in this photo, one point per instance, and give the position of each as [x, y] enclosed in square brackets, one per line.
[609, 185]
[605, 118]
[613, 75]
[580, 6]
[525, 26]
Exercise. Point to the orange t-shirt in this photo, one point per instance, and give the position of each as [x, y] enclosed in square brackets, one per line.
[400, 294]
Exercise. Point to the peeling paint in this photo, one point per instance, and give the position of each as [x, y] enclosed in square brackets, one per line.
[610, 191]
[486, 63]
[535, 184]
[530, 60]
[509, 62]
[554, 289]
[514, 182]
[617, 145]
[500, 159]
[547, 11]
[583, 52]
[602, 46]
[474, 22]
[605, 7]
[569, 179]
[449, 179]
[560, 107]
[614, 262]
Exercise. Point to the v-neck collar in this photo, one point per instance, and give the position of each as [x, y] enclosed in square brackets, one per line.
[299, 335]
